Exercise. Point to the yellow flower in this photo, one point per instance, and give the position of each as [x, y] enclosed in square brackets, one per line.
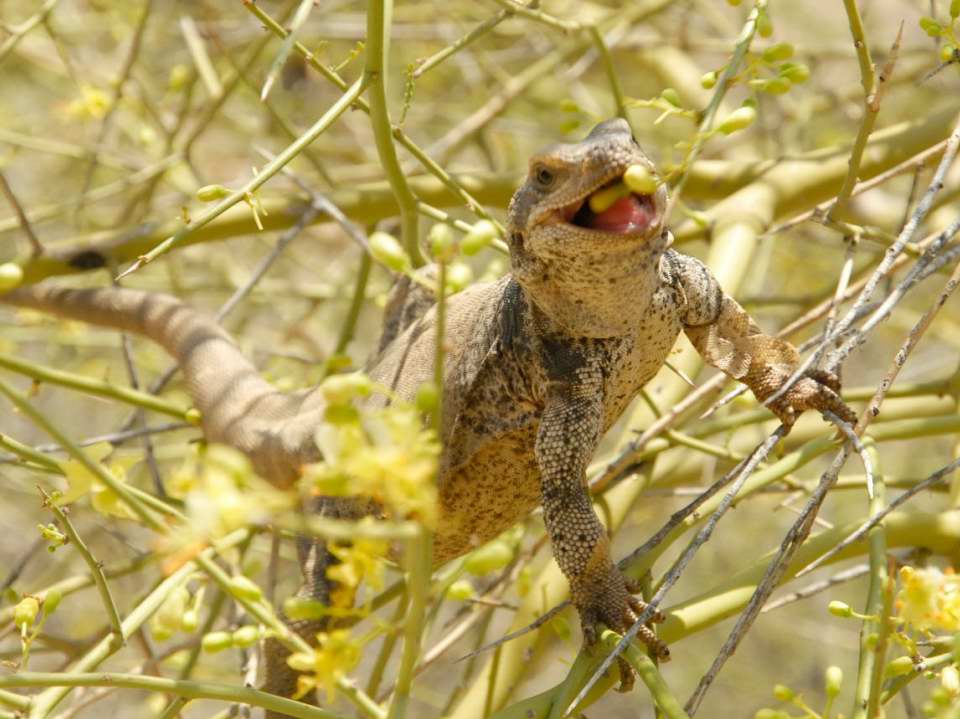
[337, 655]
[359, 561]
[929, 599]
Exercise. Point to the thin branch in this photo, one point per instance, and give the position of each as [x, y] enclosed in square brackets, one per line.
[25, 225]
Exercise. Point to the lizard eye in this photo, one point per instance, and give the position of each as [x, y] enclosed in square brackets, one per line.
[544, 176]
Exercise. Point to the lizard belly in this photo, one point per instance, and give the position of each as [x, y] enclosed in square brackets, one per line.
[497, 487]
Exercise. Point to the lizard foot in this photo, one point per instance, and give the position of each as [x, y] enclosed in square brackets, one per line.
[817, 389]
[611, 603]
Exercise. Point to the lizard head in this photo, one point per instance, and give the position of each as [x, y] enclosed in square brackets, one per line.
[581, 265]
[553, 204]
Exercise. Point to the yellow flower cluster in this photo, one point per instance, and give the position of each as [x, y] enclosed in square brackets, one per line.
[361, 560]
[929, 599]
[337, 655]
[384, 453]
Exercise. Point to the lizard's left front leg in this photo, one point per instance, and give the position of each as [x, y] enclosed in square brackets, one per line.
[569, 431]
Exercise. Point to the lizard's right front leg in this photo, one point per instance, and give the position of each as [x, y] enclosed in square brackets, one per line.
[569, 430]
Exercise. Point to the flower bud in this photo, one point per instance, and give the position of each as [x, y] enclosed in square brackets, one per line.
[833, 678]
[426, 397]
[299, 608]
[708, 80]
[947, 52]
[777, 53]
[179, 75]
[840, 609]
[602, 200]
[246, 636]
[190, 621]
[442, 246]
[899, 667]
[671, 96]
[460, 590]
[488, 558]
[344, 388]
[210, 193]
[245, 588]
[51, 601]
[640, 180]
[783, 693]
[193, 416]
[764, 25]
[11, 275]
[739, 119]
[459, 275]
[25, 613]
[387, 251]
[479, 236]
[795, 72]
[931, 26]
[216, 642]
[776, 86]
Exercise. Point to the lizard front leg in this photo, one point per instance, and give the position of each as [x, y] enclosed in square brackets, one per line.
[568, 434]
[728, 338]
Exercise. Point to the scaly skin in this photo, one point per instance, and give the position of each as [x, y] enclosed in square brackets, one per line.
[541, 364]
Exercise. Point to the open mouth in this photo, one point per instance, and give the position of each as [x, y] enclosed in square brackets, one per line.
[614, 209]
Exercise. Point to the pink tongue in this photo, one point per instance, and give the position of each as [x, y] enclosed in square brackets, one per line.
[627, 215]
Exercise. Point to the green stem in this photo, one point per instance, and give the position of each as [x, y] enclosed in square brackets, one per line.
[95, 567]
[95, 387]
[268, 171]
[420, 553]
[179, 687]
[379, 14]
[95, 468]
[649, 675]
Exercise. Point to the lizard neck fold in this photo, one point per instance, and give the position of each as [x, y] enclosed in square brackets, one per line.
[597, 291]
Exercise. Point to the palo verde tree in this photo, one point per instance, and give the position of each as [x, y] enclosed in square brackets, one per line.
[281, 163]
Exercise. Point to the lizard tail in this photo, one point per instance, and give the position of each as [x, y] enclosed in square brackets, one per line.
[239, 408]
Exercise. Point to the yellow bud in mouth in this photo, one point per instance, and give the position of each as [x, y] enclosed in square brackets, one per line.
[602, 200]
[640, 180]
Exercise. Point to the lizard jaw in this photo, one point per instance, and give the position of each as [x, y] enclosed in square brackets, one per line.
[631, 216]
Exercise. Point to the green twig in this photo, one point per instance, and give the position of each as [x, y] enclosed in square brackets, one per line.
[95, 567]
[649, 675]
[95, 387]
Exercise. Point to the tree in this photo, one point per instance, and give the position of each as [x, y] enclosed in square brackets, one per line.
[129, 135]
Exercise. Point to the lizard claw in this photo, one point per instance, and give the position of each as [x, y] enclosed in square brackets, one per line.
[817, 389]
[610, 603]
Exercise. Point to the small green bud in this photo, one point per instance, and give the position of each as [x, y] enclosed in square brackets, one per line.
[51, 601]
[764, 25]
[299, 608]
[387, 251]
[302, 661]
[640, 180]
[427, 397]
[795, 72]
[245, 588]
[602, 200]
[899, 667]
[488, 558]
[776, 86]
[783, 693]
[11, 275]
[25, 613]
[777, 53]
[344, 388]
[671, 96]
[955, 9]
[947, 52]
[709, 79]
[460, 590]
[833, 679]
[190, 621]
[216, 642]
[480, 235]
[569, 105]
[193, 416]
[442, 246]
[950, 680]
[739, 119]
[246, 636]
[840, 609]
[931, 26]
[459, 275]
[179, 75]
[211, 193]
[871, 641]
